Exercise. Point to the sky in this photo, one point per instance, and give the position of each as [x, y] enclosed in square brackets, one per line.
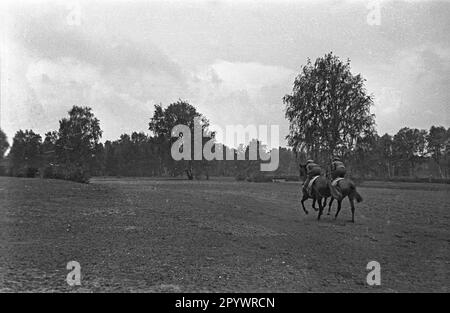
[233, 60]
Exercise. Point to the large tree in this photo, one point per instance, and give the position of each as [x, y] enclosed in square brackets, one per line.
[78, 142]
[436, 141]
[409, 147]
[162, 124]
[385, 153]
[48, 154]
[25, 154]
[4, 145]
[328, 110]
[447, 154]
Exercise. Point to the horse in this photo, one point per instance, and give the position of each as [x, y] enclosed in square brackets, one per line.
[345, 188]
[320, 190]
[314, 199]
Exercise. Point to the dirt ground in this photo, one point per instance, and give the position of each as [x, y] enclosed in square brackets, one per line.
[146, 235]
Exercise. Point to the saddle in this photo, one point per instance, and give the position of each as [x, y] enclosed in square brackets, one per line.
[335, 182]
[309, 187]
[335, 190]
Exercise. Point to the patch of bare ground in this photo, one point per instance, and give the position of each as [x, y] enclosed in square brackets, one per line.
[156, 235]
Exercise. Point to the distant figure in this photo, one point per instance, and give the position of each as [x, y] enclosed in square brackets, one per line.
[337, 169]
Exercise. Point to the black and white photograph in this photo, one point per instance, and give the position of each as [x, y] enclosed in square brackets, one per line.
[224, 147]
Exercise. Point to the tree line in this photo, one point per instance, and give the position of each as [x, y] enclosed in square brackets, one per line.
[75, 153]
[328, 113]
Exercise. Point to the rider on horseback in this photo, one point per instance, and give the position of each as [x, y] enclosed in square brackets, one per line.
[337, 168]
[312, 170]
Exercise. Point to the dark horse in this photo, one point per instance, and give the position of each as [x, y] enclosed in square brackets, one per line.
[344, 188]
[320, 190]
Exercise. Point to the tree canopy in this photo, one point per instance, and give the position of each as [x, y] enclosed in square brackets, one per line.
[25, 154]
[162, 123]
[329, 109]
[437, 139]
[4, 144]
[78, 136]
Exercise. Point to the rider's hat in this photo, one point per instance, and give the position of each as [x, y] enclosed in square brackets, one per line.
[309, 161]
[336, 158]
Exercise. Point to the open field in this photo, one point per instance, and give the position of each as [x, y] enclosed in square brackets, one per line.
[219, 235]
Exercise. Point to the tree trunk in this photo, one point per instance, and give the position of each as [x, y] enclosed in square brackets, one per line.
[189, 174]
[441, 175]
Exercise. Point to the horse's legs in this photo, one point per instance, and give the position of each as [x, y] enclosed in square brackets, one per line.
[319, 200]
[352, 204]
[338, 208]
[314, 204]
[324, 202]
[303, 204]
[329, 205]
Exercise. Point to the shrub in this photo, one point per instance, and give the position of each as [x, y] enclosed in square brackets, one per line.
[292, 178]
[24, 171]
[67, 172]
[259, 178]
[47, 172]
[76, 173]
[406, 179]
[31, 172]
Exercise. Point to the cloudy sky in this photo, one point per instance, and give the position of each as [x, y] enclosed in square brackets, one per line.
[234, 60]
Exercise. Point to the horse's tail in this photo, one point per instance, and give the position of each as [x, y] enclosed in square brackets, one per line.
[357, 195]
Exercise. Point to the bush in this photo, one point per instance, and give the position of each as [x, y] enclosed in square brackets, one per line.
[47, 172]
[357, 179]
[31, 172]
[406, 179]
[292, 178]
[420, 180]
[76, 173]
[259, 178]
[67, 172]
[24, 171]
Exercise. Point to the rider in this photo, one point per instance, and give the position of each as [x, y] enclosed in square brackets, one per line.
[337, 168]
[312, 169]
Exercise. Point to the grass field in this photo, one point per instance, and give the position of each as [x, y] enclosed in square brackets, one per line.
[218, 236]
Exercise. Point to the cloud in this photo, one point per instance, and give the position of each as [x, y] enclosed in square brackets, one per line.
[247, 93]
[413, 88]
[250, 75]
[58, 85]
[51, 66]
[234, 61]
[47, 34]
